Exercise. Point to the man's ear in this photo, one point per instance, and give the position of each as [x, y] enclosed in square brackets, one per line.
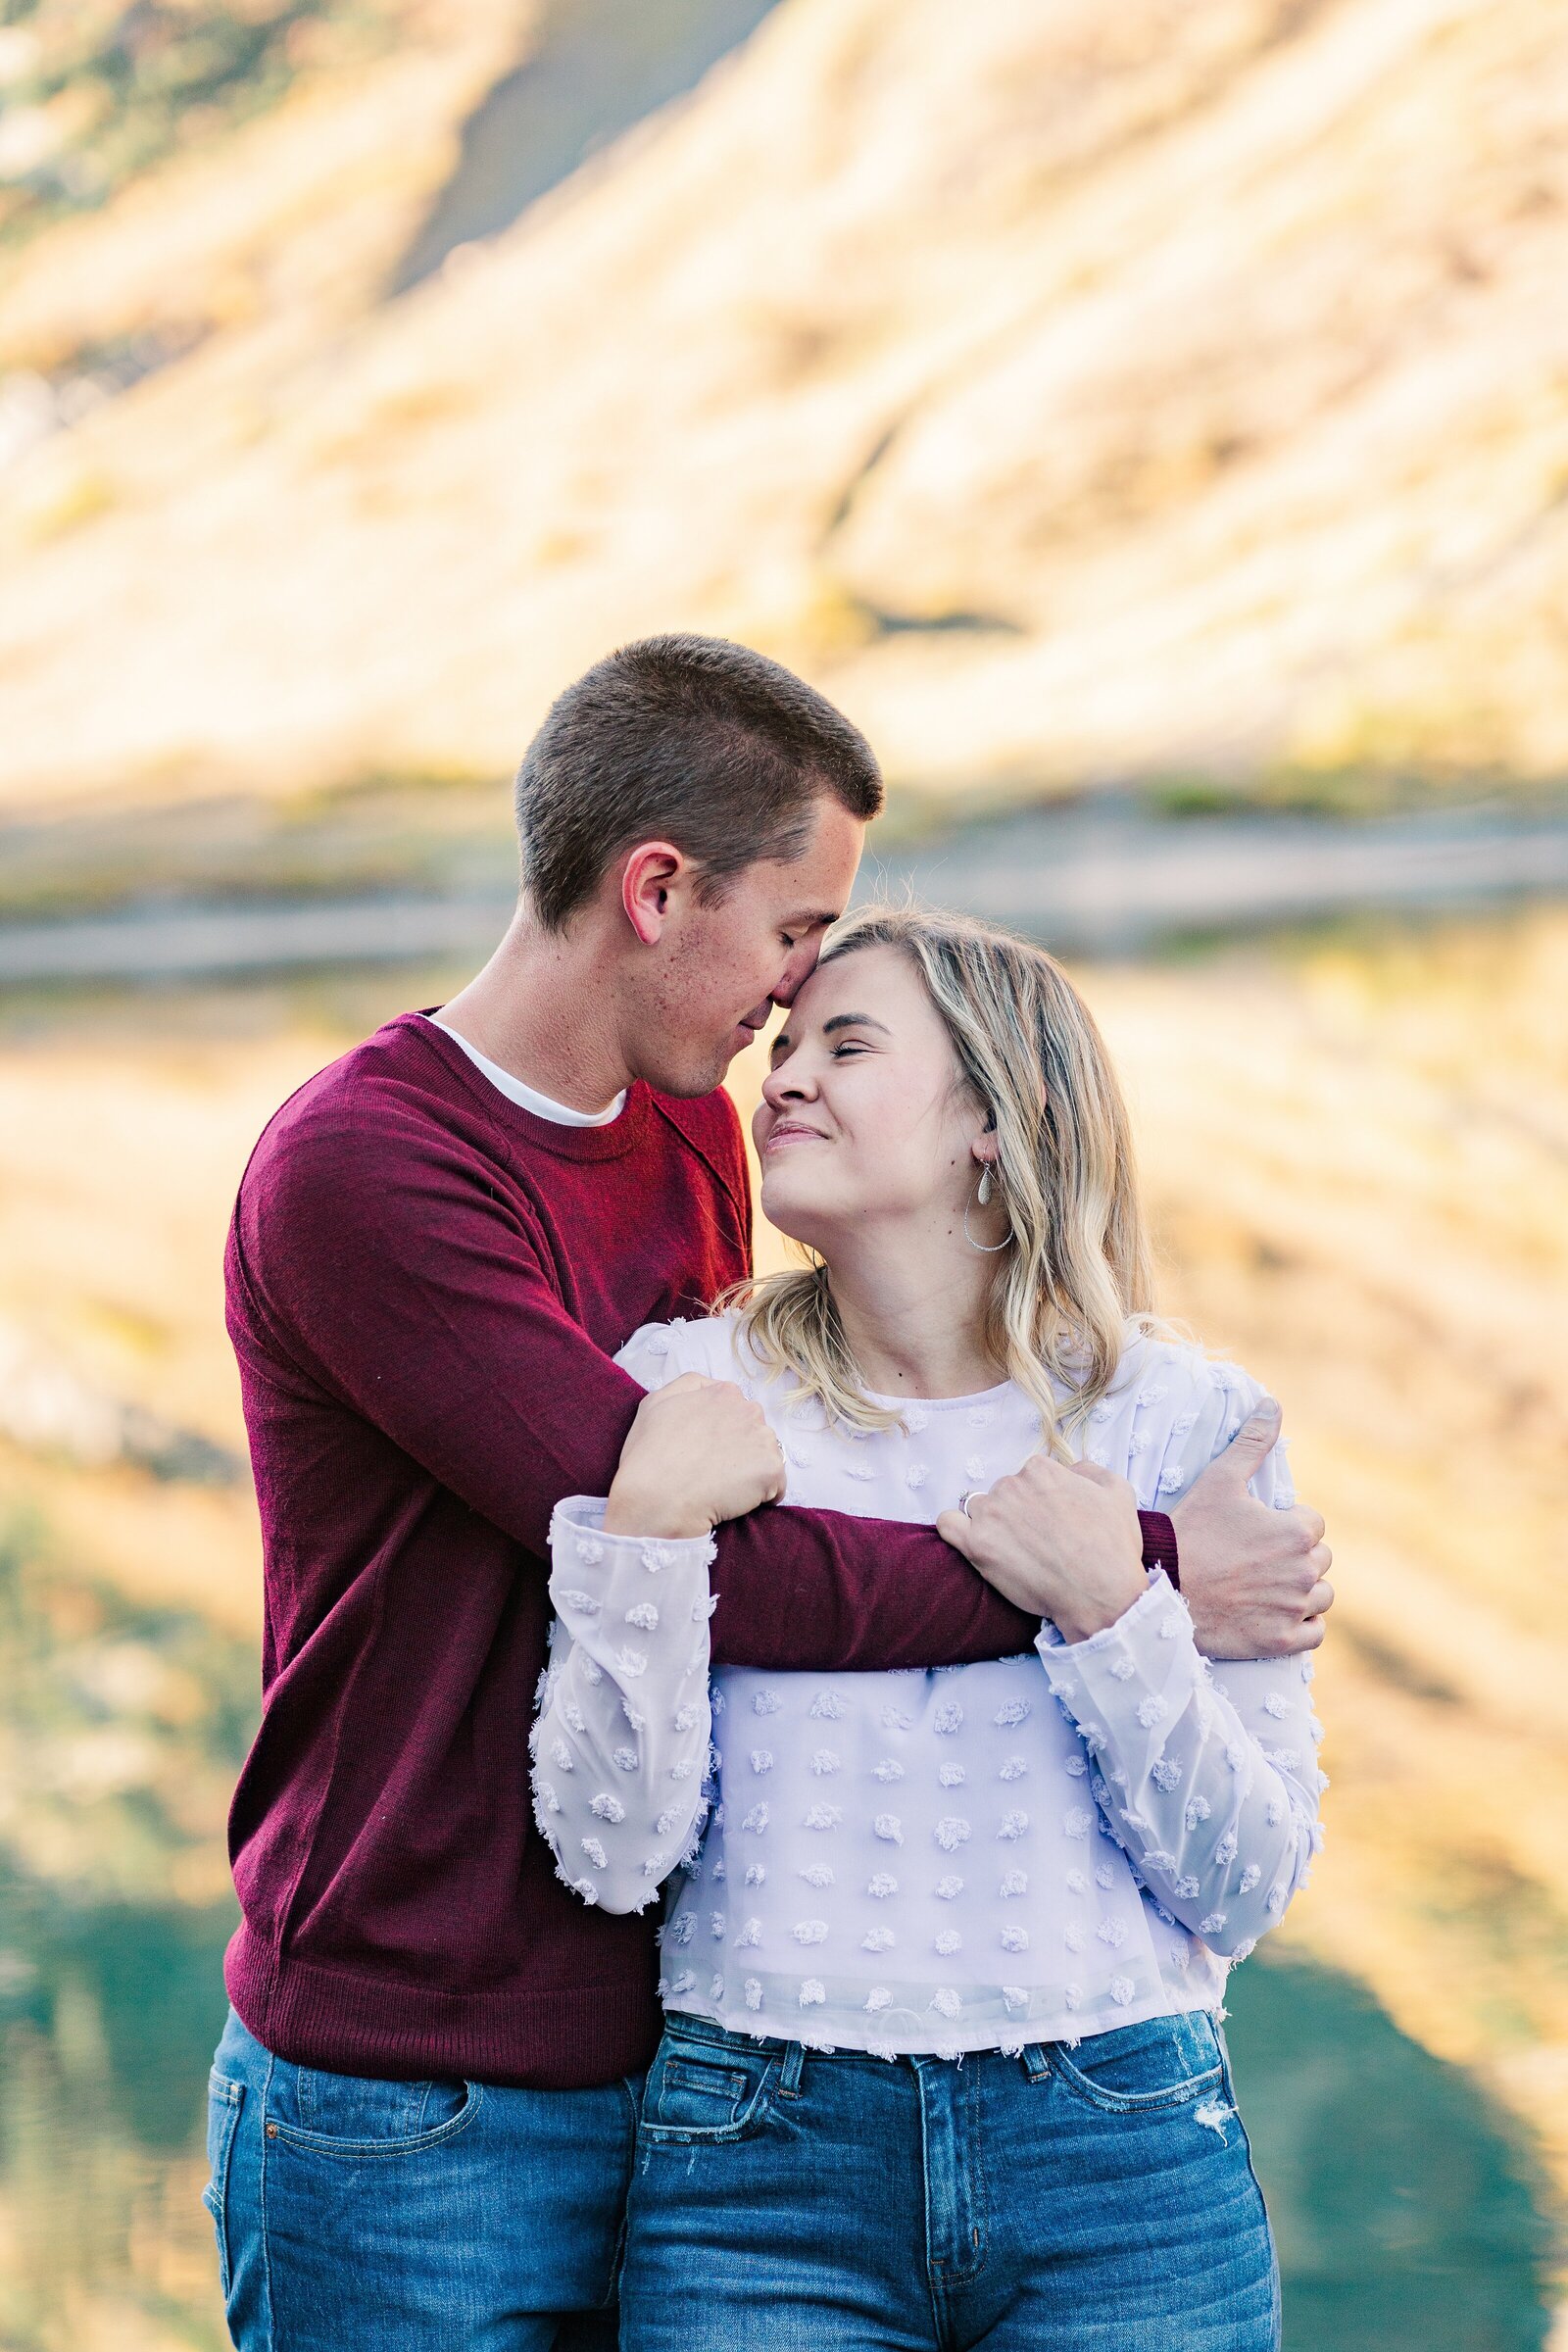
[650, 873]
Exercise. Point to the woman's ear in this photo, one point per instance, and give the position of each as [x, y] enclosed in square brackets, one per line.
[986, 1149]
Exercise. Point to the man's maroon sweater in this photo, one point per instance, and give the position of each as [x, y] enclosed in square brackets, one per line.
[425, 1284]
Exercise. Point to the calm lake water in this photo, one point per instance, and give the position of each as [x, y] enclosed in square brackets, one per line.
[1407, 2213]
[1404, 2217]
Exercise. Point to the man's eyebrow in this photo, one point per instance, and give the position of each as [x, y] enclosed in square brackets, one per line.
[854, 1020]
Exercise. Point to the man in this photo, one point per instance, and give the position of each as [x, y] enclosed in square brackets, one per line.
[423, 2106]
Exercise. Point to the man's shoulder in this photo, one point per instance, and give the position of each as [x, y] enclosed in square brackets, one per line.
[391, 1085]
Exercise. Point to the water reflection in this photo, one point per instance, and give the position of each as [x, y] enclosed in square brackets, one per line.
[122, 1729]
[107, 2023]
[1407, 2214]
[1404, 2217]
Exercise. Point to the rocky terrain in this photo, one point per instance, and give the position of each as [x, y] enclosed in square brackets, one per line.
[1174, 392]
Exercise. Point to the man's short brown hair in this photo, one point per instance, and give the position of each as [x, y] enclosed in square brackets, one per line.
[689, 740]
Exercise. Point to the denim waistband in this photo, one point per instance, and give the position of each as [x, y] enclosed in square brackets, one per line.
[1032, 2058]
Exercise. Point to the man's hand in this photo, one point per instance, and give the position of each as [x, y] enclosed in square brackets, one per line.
[1059, 1541]
[698, 1453]
[1255, 1580]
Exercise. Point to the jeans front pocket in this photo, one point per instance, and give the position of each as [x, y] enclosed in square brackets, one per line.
[224, 2099]
[700, 2091]
[1163, 2062]
[358, 2117]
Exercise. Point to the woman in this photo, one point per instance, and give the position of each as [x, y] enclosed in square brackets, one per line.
[945, 1952]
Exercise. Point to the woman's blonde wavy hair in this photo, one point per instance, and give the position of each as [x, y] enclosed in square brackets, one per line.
[1077, 1262]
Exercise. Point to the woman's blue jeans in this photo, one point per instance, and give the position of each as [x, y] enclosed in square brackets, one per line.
[357, 2215]
[1099, 2197]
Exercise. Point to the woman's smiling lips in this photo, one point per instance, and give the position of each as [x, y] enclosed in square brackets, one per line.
[792, 1131]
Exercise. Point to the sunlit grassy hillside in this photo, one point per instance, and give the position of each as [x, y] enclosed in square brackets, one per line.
[1357, 1153]
[1076, 393]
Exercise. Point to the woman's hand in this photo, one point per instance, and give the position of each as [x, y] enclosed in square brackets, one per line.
[1058, 1541]
[698, 1453]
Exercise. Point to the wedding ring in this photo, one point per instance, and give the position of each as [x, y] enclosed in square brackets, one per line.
[966, 1497]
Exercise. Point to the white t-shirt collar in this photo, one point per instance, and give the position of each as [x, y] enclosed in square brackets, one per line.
[560, 1114]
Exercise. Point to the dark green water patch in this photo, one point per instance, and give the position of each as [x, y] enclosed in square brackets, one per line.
[1409, 2219]
[108, 2018]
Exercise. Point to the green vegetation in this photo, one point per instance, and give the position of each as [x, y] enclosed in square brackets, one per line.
[124, 1728]
[384, 832]
[122, 1731]
[93, 92]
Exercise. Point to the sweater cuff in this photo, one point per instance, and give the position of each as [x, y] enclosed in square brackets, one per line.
[1160, 1548]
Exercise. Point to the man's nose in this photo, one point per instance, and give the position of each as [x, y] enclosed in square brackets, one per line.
[799, 969]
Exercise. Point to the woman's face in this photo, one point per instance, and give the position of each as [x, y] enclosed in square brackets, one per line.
[865, 1117]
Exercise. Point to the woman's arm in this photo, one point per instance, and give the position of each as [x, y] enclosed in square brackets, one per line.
[1210, 1782]
[619, 1741]
[1207, 1777]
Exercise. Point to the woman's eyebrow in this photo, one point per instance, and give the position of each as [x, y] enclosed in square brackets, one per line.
[854, 1020]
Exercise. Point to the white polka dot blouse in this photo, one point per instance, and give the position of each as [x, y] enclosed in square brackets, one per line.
[967, 1858]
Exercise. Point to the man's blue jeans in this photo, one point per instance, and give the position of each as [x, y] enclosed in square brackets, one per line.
[414, 2217]
[1097, 2197]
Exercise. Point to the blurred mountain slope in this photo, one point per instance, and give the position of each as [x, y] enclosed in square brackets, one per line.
[1177, 391]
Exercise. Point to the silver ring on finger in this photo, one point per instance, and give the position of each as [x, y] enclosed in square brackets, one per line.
[966, 1497]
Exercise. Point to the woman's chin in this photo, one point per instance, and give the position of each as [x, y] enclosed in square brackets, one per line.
[798, 1220]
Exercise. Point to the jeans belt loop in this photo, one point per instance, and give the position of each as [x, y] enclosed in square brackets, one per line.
[789, 2079]
[1036, 2065]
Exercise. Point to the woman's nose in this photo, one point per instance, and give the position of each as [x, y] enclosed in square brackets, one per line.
[789, 1083]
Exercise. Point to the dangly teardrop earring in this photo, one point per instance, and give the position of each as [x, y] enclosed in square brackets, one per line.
[983, 1196]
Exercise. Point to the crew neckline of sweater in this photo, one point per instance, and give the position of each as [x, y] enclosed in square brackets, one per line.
[514, 1119]
[530, 1098]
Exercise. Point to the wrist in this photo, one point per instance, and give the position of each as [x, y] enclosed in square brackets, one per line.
[1091, 1613]
[667, 1518]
